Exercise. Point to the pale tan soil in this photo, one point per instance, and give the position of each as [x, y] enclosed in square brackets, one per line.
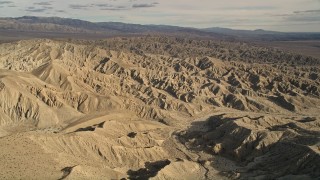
[154, 107]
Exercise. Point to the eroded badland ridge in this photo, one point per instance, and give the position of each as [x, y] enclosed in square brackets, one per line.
[157, 107]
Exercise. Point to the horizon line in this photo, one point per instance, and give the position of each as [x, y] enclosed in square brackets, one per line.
[169, 25]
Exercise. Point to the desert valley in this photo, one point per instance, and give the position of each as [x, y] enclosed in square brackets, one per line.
[80, 100]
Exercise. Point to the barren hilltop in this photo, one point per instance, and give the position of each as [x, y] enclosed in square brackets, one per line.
[158, 107]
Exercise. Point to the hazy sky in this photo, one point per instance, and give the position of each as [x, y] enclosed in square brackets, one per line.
[280, 15]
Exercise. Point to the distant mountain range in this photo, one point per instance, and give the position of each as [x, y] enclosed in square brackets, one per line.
[45, 26]
[261, 34]
[66, 25]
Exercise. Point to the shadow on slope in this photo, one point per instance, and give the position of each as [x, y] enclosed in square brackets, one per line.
[267, 147]
[151, 169]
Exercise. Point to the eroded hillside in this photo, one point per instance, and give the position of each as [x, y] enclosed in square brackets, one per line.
[149, 107]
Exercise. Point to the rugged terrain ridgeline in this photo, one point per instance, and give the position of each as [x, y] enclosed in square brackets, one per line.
[219, 109]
